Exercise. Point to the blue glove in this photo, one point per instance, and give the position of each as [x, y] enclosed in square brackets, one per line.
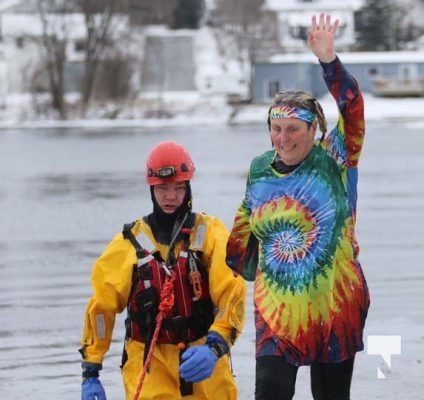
[92, 388]
[199, 361]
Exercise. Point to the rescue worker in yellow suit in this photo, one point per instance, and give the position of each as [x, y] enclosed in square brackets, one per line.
[190, 358]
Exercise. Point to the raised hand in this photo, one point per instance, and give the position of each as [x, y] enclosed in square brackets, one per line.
[321, 37]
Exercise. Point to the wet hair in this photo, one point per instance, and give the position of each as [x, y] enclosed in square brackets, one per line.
[300, 99]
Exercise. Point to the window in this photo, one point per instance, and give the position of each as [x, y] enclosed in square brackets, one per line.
[273, 86]
[408, 71]
[20, 42]
[79, 45]
[373, 71]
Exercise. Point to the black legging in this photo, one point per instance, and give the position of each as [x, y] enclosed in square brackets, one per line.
[276, 379]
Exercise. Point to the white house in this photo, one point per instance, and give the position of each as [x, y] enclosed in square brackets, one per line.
[21, 53]
[295, 19]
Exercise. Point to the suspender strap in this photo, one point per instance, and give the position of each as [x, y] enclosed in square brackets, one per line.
[127, 234]
[180, 327]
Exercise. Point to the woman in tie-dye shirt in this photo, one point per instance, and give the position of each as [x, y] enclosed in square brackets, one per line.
[294, 235]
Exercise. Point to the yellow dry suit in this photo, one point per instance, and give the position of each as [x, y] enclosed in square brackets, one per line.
[120, 279]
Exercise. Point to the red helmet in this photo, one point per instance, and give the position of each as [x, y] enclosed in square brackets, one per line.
[169, 162]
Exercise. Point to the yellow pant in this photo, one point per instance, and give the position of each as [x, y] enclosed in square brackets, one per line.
[162, 381]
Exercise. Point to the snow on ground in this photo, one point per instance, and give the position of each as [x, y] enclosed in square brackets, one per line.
[191, 108]
[376, 109]
[217, 75]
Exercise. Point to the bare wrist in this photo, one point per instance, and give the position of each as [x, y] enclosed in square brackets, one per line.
[328, 60]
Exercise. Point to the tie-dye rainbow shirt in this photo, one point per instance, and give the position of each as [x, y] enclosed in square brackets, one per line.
[294, 235]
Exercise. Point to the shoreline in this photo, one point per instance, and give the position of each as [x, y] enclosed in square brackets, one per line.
[392, 110]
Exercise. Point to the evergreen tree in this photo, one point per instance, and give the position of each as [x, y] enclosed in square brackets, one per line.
[374, 23]
[188, 14]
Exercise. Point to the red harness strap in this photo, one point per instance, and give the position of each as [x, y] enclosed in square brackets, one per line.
[192, 312]
[166, 303]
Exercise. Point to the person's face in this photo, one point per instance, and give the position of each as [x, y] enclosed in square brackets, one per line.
[292, 139]
[170, 195]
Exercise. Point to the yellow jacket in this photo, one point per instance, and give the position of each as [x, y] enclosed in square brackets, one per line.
[112, 280]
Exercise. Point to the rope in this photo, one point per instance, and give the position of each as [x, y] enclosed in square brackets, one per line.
[166, 303]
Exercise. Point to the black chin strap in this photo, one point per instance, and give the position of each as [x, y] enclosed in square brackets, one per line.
[179, 223]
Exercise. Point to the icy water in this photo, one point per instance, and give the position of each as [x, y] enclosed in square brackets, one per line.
[65, 192]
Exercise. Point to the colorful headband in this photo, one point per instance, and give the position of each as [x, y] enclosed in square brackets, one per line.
[279, 112]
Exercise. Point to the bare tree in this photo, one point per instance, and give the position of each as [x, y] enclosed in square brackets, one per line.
[152, 11]
[253, 29]
[54, 39]
[100, 16]
[114, 77]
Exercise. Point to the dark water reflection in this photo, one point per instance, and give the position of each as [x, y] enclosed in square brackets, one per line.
[91, 186]
[65, 192]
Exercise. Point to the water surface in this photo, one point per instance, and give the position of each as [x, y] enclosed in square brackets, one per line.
[64, 193]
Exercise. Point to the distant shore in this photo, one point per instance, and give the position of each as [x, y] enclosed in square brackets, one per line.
[376, 109]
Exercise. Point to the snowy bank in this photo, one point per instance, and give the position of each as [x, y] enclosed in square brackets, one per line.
[193, 108]
[376, 109]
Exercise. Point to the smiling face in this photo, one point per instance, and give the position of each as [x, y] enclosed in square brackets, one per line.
[170, 196]
[292, 138]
